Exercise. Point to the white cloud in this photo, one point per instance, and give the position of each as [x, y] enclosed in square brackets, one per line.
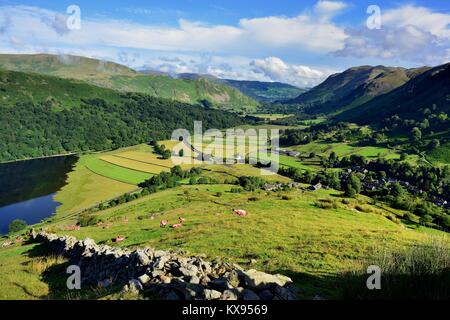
[303, 32]
[327, 9]
[408, 33]
[277, 70]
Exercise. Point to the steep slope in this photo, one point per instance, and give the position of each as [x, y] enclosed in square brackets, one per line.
[19, 87]
[259, 90]
[353, 87]
[43, 115]
[121, 78]
[425, 90]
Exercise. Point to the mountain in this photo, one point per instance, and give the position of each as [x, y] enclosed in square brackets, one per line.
[259, 90]
[353, 87]
[43, 115]
[431, 88]
[20, 87]
[265, 91]
[118, 77]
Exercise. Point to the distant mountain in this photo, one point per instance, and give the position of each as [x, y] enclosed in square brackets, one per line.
[353, 87]
[265, 91]
[428, 89]
[118, 77]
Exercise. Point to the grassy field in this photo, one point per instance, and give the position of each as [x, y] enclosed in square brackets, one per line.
[347, 149]
[441, 154]
[271, 116]
[294, 237]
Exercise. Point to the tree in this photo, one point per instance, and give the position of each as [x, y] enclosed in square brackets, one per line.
[353, 186]
[17, 225]
[416, 134]
[181, 153]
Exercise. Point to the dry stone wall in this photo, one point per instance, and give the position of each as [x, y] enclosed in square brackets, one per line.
[166, 274]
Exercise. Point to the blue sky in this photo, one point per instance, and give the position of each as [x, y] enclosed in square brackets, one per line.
[299, 42]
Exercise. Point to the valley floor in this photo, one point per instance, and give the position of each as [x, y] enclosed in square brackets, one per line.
[285, 232]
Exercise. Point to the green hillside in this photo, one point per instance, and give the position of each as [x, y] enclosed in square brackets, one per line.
[44, 115]
[121, 78]
[353, 87]
[431, 88]
[60, 93]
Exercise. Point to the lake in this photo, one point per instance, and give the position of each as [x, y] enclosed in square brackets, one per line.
[27, 188]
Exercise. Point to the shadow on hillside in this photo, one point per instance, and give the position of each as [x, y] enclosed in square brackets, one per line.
[55, 276]
[345, 286]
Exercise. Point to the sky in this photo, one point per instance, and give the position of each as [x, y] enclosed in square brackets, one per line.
[296, 42]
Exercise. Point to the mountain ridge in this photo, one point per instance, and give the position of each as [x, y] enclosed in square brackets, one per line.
[118, 77]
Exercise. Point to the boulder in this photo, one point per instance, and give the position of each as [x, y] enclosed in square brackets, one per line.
[250, 295]
[144, 279]
[142, 257]
[260, 280]
[231, 294]
[211, 294]
[266, 295]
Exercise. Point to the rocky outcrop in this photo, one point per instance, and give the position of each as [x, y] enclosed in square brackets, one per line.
[166, 274]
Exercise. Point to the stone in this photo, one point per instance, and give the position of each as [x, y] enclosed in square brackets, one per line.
[284, 293]
[266, 295]
[189, 270]
[220, 284]
[135, 286]
[211, 294]
[172, 296]
[142, 257]
[159, 253]
[250, 295]
[157, 273]
[165, 279]
[194, 280]
[233, 278]
[144, 279]
[229, 295]
[260, 280]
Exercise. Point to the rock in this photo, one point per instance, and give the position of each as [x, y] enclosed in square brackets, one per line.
[135, 286]
[189, 270]
[194, 280]
[250, 295]
[229, 295]
[172, 296]
[204, 280]
[160, 262]
[144, 279]
[159, 253]
[266, 295]
[260, 280]
[220, 284]
[211, 294]
[165, 279]
[233, 278]
[157, 273]
[142, 257]
[284, 293]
